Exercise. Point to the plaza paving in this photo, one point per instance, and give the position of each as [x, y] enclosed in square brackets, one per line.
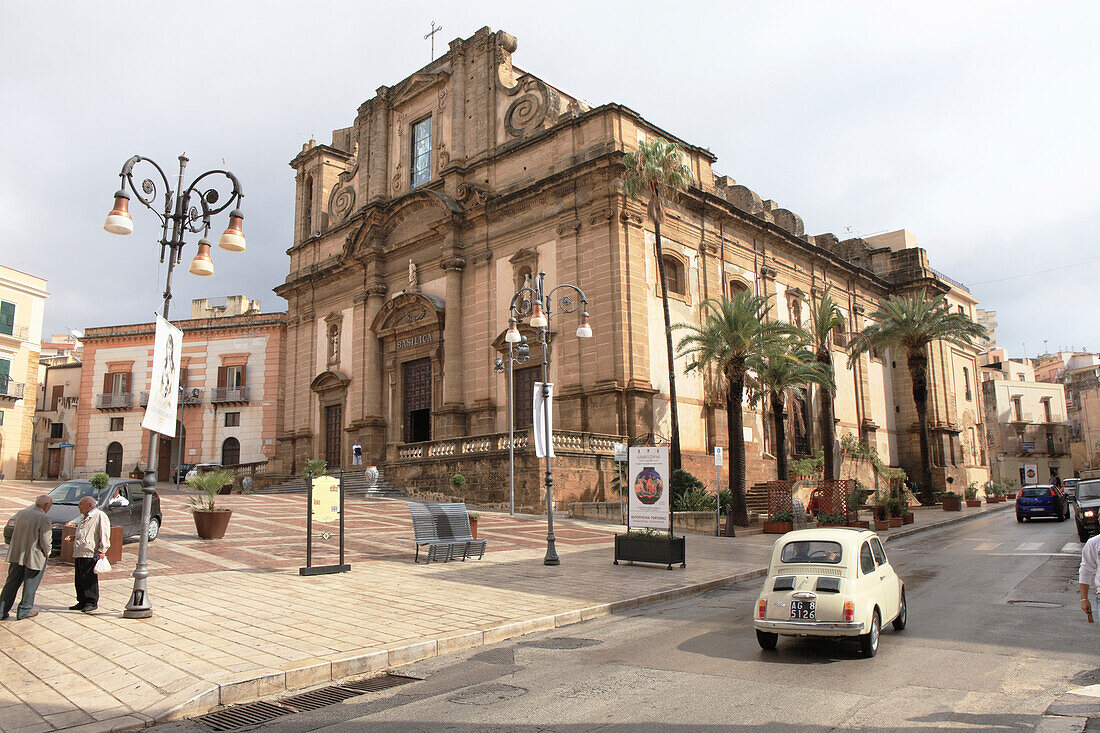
[233, 619]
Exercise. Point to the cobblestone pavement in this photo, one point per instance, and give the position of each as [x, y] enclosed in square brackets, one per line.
[233, 620]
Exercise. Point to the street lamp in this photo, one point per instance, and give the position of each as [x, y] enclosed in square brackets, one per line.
[520, 354]
[535, 301]
[177, 217]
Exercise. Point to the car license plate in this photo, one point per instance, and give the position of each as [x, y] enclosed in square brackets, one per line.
[803, 610]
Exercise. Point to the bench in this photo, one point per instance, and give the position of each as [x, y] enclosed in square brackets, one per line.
[445, 530]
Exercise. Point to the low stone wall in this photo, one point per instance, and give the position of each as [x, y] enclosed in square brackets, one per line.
[699, 522]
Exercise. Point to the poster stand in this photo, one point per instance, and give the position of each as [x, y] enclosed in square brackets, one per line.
[311, 510]
[648, 486]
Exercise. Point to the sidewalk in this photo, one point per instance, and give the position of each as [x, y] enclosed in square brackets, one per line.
[233, 620]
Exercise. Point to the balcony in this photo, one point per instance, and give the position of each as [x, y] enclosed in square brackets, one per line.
[1019, 419]
[10, 389]
[223, 395]
[189, 397]
[114, 401]
[18, 333]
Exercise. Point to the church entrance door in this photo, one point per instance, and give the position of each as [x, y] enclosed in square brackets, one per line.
[417, 382]
[334, 419]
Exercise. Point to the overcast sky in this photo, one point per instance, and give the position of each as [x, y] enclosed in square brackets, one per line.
[974, 125]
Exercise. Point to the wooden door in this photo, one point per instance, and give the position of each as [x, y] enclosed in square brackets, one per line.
[416, 377]
[523, 395]
[53, 466]
[164, 460]
[114, 460]
[334, 425]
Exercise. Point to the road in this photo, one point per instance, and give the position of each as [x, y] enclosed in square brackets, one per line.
[994, 636]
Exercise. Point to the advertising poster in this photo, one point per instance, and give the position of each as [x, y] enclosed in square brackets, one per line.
[647, 481]
[160, 414]
[1031, 473]
[326, 499]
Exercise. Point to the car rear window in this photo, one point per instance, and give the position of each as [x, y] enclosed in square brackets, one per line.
[1088, 490]
[1033, 492]
[811, 551]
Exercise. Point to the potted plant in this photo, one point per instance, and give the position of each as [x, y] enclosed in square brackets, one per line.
[100, 481]
[210, 519]
[137, 472]
[650, 546]
[951, 501]
[458, 481]
[971, 493]
[831, 520]
[779, 523]
[474, 516]
[896, 509]
[882, 518]
[315, 468]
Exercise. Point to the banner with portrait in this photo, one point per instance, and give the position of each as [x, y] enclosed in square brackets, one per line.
[647, 481]
[160, 414]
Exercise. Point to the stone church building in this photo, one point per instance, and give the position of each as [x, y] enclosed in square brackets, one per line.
[416, 224]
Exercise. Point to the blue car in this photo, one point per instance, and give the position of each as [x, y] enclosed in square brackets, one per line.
[1041, 501]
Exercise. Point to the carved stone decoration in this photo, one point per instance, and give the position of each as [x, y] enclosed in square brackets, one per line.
[567, 227]
[401, 119]
[789, 221]
[480, 259]
[745, 199]
[768, 273]
[397, 177]
[535, 105]
[342, 199]
[453, 264]
[443, 99]
[442, 155]
[414, 284]
[472, 194]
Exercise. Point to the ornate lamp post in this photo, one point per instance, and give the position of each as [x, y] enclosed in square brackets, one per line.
[535, 301]
[520, 354]
[184, 210]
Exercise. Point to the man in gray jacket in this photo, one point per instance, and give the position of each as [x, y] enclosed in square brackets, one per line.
[31, 542]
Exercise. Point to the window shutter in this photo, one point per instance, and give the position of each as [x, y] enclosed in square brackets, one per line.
[7, 317]
[126, 382]
[242, 376]
[107, 383]
[221, 376]
[58, 393]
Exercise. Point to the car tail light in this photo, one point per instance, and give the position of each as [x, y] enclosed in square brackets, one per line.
[761, 608]
[849, 611]
[1053, 494]
[1020, 495]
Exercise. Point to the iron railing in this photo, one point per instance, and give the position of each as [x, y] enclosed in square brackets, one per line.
[9, 388]
[229, 394]
[113, 400]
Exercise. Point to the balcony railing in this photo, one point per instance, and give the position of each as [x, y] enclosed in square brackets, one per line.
[229, 394]
[10, 389]
[190, 397]
[113, 400]
[951, 280]
[1020, 417]
[566, 441]
[15, 332]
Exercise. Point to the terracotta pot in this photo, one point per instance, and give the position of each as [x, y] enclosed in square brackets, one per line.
[473, 527]
[211, 525]
[952, 503]
[908, 518]
[973, 503]
[861, 523]
[896, 522]
[777, 527]
[881, 524]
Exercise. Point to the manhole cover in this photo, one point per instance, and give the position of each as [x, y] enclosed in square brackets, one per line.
[561, 642]
[488, 694]
[1036, 604]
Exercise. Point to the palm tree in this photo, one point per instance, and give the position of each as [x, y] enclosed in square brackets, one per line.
[824, 317]
[913, 322]
[733, 331]
[780, 370]
[657, 170]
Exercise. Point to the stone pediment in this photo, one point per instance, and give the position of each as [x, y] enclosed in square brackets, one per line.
[408, 311]
[330, 379]
[416, 84]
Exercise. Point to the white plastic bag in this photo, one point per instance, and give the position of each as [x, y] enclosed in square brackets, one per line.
[102, 566]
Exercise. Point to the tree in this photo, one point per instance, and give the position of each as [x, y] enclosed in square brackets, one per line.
[781, 368]
[733, 331]
[912, 323]
[657, 170]
[824, 318]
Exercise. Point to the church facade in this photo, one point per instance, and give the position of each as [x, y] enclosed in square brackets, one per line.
[417, 224]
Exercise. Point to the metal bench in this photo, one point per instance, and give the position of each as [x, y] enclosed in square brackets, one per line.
[445, 530]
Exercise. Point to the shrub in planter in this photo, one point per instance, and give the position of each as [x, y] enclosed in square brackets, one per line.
[100, 481]
[831, 520]
[693, 500]
[474, 516]
[315, 467]
[861, 523]
[951, 502]
[882, 512]
[682, 482]
[650, 546]
[210, 520]
[779, 523]
[971, 494]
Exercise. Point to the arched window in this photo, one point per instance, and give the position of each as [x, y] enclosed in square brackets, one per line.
[737, 286]
[840, 334]
[675, 277]
[307, 209]
[231, 452]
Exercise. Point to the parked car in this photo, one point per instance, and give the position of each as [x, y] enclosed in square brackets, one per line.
[1069, 488]
[1087, 509]
[179, 474]
[199, 468]
[121, 501]
[831, 581]
[1041, 501]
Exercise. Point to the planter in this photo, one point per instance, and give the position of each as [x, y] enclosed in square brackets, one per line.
[994, 499]
[896, 522]
[861, 523]
[473, 527]
[658, 549]
[973, 503]
[952, 503]
[881, 524]
[777, 527]
[211, 525]
[908, 518]
[831, 524]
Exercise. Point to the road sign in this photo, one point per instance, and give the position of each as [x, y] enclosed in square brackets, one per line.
[717, 455]
[620, 452]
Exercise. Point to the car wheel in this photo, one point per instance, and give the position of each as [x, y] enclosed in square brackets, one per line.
[903, 613]
[767, 640]
[1064, 516]
[1019, 519]
[868, 643]
[154, 528]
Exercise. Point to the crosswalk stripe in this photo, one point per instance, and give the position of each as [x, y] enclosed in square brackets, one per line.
[987, 546]
[1072, 547]
[1030, 546]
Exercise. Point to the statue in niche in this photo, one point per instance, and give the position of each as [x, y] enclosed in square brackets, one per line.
[414, 285]
[333, 344]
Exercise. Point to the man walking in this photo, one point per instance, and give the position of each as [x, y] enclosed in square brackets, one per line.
[93, 537]
[31, 542]
[1089, 573]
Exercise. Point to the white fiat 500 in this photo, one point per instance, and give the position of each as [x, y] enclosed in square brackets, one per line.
[832, 581]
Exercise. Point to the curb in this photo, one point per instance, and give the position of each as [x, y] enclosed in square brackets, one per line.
[1072, 711]
[204, 697]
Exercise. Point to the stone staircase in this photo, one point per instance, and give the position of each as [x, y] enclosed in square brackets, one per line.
[756, 498]
[355, 485]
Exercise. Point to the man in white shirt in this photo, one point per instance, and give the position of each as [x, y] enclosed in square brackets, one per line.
[93, 537]
[1089, 573]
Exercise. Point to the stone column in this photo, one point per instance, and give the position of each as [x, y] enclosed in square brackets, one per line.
[452, 420]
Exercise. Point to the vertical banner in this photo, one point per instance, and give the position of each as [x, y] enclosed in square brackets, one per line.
[647, 481]
[544, 420]
[160, 414]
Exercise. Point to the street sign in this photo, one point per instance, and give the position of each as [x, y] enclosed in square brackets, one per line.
[66, 445]
[620, 452]
[717, 455]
